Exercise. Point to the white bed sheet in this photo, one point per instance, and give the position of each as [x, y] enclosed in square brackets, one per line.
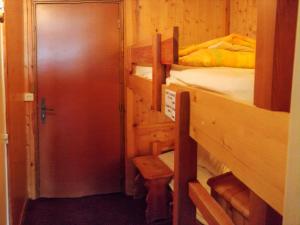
[237, 83]
[202, 176]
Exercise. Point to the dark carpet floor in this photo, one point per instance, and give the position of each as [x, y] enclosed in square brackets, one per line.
[113, 209]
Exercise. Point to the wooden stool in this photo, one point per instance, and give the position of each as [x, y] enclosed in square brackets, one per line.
[234, 197]
[157, 176]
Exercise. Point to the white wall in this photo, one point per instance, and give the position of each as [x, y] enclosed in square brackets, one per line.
[292, 195]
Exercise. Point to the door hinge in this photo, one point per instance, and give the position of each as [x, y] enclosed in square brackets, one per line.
[5, 138]
[121, 108]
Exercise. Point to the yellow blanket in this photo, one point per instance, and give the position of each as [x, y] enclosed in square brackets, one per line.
[230, 51]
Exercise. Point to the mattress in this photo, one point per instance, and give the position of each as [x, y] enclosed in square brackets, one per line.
[236, 83]
[202, 176]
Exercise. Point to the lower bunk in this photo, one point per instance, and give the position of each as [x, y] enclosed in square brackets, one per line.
[250, 141]
[228, 193]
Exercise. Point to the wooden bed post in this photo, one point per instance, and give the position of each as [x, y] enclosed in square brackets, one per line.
[158, 73]
[276, 34]
[185, 163]
[228, 17]
[261, 213]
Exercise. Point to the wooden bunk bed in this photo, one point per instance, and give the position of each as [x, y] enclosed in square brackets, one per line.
[161, 54]
[251, 139]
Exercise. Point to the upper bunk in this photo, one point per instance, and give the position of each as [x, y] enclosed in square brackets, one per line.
[271, 85]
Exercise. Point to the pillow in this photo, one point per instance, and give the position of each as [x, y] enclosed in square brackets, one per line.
[219, 57]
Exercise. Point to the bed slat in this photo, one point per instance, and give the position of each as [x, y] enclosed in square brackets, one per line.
[141, 55]
[140, 86]
[212, 212]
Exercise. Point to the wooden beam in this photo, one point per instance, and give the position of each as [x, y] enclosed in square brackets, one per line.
[140, 86]
[141, 54]
[228, 17]
[158, 73]
[276, 34]
[212, 212]
[261, 213]
[16, 107]
[130, 143]
[170, 46]
[185, 163]
[251, 141]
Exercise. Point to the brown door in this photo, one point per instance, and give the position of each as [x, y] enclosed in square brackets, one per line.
[78, 59]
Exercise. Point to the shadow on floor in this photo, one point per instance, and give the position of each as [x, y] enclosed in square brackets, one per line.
[113, 209]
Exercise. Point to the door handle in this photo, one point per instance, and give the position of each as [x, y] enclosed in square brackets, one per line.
[44, 110]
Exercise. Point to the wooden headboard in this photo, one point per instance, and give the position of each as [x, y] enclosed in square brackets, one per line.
[159, 53]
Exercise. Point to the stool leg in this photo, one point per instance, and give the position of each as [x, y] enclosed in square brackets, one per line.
[139, 187]
[157, 200]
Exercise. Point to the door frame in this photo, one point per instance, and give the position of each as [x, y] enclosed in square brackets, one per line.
[4, 198]
[31, 87]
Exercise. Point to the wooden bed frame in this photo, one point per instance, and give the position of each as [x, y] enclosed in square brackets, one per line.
[250, 139]
[161, 55]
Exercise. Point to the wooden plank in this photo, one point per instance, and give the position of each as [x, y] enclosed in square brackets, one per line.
[228, 17]
[141, 87]
[130, 143]
[141, 54]
[212, 212]
[159, 147]
[185, 158]
[145, 116]
[198, 20]
[16, 108]
[230, 189]
[275, 53]
[151, 167]
[158, 73]
[31, 119]
[170, 46]
[261, 213]
[147, 134]
[251, 141]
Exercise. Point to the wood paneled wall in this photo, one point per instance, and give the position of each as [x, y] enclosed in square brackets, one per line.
[198, 20]
[16, 109]
[143, 127]
[243, 17]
